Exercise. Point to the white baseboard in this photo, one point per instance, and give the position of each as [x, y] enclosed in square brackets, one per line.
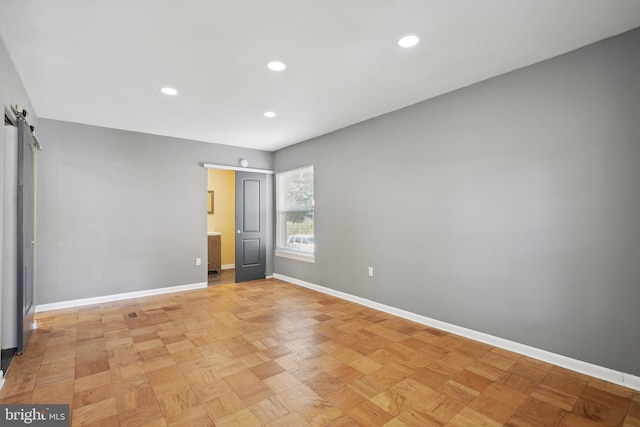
[117, 297]
[616, 377]
[227, 266]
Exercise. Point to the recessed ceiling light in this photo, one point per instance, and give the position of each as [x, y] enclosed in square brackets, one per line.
[408, 41]
[270, 114]
[168, 91]
[277, 66]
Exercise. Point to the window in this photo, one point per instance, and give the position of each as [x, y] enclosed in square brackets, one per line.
[295, 207]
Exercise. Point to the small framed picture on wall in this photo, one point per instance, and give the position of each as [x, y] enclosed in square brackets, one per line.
[210, 202]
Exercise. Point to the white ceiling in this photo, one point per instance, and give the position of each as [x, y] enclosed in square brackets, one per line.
[103, 62]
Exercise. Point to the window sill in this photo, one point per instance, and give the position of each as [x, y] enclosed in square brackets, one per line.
[298, 256]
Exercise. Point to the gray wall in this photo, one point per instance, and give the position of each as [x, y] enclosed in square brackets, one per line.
[510, 207]
[12, 92]
[121, 211]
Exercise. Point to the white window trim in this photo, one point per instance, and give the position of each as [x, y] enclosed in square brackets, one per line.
[284, 252]
[298, 256]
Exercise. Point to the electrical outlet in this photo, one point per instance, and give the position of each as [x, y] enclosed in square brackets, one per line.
[198, 261]
[370, 271]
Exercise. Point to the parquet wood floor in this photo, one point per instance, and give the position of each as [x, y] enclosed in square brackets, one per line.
[222, 278]
[268, 353]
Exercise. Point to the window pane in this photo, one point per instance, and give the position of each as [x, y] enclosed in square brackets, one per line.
[295, 210]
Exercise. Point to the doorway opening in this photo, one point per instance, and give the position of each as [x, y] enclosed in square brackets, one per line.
[221, 214]
[250, 232]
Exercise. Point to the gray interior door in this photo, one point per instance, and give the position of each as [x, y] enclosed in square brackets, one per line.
[26, 233]
[251, 230]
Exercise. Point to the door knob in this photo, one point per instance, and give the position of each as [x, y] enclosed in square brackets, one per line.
[238, 231]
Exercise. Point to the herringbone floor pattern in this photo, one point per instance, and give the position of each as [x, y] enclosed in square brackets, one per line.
[268, 353]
